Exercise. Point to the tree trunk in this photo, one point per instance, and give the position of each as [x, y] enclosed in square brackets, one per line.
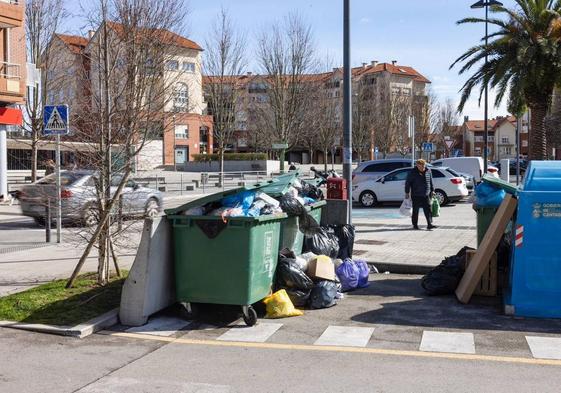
[325, 155]
[538, 140]
[221, 176]
[34, 156]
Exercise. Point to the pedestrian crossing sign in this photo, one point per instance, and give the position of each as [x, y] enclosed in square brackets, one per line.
[55, 120]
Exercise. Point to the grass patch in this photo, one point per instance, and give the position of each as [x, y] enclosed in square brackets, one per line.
[52, 304]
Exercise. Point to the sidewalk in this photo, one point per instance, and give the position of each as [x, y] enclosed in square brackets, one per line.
[385, 239]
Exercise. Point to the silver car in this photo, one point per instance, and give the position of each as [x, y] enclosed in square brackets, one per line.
[78, 198]
[373, 170]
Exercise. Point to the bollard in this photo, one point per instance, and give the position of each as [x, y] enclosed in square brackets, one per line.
[48, 221]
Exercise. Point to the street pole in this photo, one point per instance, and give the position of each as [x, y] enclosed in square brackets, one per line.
[58, 190]
[3, 164]
[485, 4]
[412, 136]
[347, 118]
[485, 125]
[518, 126]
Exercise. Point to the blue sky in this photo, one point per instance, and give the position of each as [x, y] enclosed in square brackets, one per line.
[418, 33]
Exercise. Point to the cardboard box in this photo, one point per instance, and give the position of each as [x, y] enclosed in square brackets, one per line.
[321, 268]
[489, 280]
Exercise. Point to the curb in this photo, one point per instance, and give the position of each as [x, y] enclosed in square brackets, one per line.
[96, 324]
[401, 268]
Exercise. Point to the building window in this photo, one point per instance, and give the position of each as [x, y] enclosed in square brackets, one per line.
[406, 91]
[181, 98]
[172, 65]
[491, 138]
[479, 138]
[504, 139]
[242, 125]
[182, 132]
[188, 66]
[396, 90]
[508, 150]
[477, 150]
[524, 143]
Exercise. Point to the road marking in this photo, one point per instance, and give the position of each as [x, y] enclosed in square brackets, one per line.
[345, 336]
[321, 348]
[254, 334]
[545, 347]
[160, 326]
[448, 342]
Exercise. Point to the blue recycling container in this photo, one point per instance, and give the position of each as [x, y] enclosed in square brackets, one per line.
[535, 271]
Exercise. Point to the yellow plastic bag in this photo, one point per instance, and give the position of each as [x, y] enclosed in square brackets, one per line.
[278, 305]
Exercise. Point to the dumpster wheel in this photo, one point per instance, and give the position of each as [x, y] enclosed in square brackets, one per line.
[188, 311]
[249, 315]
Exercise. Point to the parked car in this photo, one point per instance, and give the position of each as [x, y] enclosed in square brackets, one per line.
[449, 187]
[78, 196]
[469, 165]
[373, 170]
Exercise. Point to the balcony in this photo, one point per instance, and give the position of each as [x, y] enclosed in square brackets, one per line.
[10, 78]
[11, 13]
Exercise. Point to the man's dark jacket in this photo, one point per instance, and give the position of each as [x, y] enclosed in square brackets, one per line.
[419, 183]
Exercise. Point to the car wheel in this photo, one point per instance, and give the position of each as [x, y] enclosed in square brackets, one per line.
[89, 216]
[152, 209]
[441, 197]
[368, 199]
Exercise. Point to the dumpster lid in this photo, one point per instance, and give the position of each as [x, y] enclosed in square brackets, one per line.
[280, 184]
[499, 183]
[543, 176]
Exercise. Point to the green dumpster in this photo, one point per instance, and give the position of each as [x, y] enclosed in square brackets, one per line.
[219, 262]
[485, 214]
[291, 237]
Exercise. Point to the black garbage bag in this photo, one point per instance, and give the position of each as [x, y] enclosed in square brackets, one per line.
[290, 276]
[323, 295]
[292, 206]
[311, 191]
[443, 279]
[298, 297]
[346, 238]
[321, 241]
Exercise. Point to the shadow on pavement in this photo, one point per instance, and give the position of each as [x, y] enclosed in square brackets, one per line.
[403, 302]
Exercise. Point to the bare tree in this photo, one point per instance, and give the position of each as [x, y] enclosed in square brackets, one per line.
[224, 62]
[286, 55]
[364, 105]
[131, 89]
[400, 107]
[42, 20]
[426, 112]
[447, 124]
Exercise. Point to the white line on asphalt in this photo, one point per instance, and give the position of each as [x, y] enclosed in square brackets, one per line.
[254, 334]
[448, 342]
[160, 326]
[545, 347]
[345, 336]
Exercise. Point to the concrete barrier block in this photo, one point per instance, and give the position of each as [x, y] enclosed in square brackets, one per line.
[150, 286]
[335, 212]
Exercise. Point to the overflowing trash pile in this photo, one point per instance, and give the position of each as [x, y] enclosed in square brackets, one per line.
[314, 265]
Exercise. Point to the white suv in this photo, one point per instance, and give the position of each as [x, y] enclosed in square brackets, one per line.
[448, 187]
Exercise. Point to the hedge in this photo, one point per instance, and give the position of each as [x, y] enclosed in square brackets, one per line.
[230, 157]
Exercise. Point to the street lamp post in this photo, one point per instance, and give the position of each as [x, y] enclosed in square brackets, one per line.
[174, 145]
[485, 4]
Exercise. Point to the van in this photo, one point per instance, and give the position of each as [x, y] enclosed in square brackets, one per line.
[470, 165]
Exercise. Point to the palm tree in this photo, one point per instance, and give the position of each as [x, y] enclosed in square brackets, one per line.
[524, 62]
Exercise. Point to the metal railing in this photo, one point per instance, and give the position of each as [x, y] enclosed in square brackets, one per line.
[9, 70]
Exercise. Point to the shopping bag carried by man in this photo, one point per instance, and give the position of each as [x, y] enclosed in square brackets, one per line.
[435, 207]
[406, 208]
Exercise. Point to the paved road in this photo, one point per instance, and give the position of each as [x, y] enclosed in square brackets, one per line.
[389, 337]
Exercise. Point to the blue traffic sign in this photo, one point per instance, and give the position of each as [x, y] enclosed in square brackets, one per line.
[427, 146]
[55, 120]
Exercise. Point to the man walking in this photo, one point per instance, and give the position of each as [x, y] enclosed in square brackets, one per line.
[420, 188]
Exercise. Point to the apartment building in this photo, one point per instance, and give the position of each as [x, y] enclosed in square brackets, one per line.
[502, 137]
[12, 77]
[395, 79]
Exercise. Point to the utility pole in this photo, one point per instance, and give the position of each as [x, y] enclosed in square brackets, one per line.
[347, 116]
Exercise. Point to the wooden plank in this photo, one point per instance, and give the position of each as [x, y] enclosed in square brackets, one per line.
[488, 245]
[487, 286]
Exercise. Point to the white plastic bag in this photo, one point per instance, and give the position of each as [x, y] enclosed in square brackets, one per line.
[406, 209]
